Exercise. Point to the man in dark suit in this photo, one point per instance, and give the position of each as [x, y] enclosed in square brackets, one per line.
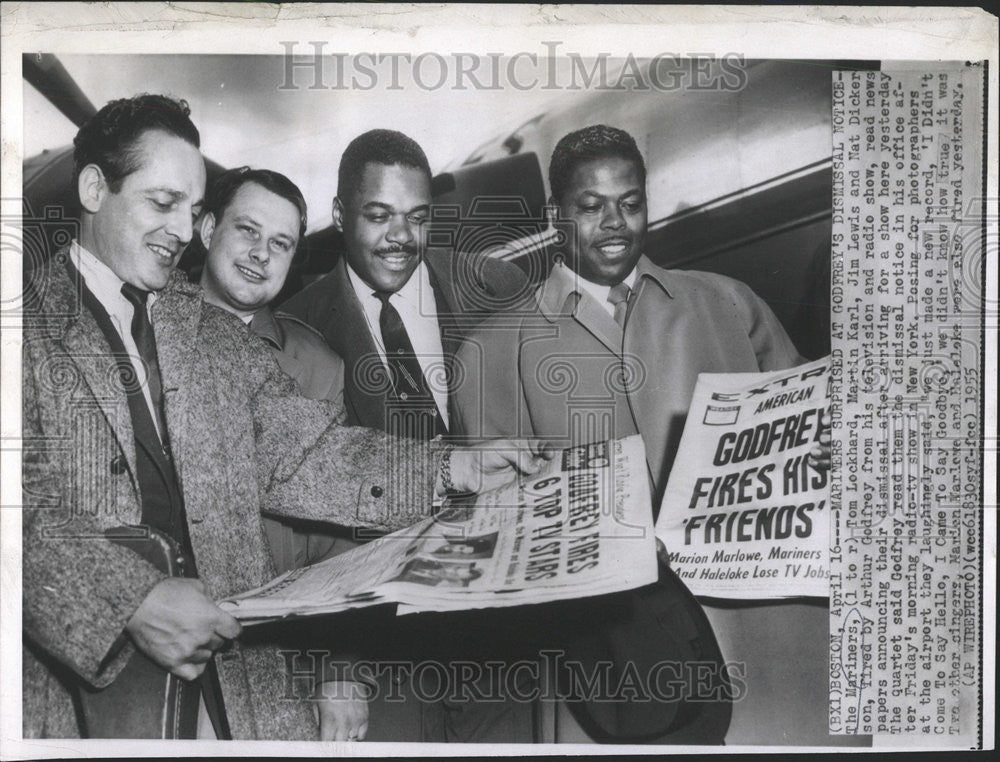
[394, 312]
[143, 405]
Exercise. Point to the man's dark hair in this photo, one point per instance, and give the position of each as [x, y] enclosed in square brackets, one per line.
[595, 142]
[386, 147]
[225, 186]
[109, 138]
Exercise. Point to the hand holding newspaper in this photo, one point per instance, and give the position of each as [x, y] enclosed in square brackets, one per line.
[582, 526]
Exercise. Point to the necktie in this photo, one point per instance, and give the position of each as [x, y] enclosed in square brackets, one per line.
[619, 296]
[145, 342]
[416, 413]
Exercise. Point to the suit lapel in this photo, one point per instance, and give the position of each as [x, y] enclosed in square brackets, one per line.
[444, 303]
[365, 379]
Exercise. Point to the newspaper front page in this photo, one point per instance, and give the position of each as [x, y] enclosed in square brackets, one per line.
[745, 515]
[580, 527]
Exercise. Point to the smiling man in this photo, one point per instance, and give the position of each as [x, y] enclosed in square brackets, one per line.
[253, 222]
[395, 312]
[635, 337]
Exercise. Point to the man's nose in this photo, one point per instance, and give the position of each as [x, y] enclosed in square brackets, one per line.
[400, 232]
[180, 225]
[613, 218]
[259, 252]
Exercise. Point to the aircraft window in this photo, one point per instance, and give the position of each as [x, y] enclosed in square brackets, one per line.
[496, 148]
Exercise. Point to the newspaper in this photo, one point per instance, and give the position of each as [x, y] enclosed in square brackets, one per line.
[745, 515]
[580, 527]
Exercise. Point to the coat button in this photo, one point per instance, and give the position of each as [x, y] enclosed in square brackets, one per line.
[118, 466]
[376, 491]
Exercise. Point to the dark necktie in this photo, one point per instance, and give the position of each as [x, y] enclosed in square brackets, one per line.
[416, 414]
[619, 296]
[145, 342]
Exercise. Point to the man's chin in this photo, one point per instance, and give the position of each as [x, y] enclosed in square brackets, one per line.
[393, 280]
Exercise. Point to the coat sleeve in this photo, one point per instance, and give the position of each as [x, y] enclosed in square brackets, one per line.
[311, 467]
[488, 401]
[79, 589]
[773, 348]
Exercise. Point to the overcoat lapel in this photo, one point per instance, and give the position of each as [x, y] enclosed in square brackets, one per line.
[175, 317]
[601, 325]
[85, 346]
[559, 297]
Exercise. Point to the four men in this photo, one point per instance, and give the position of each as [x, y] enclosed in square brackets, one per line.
[193, 420]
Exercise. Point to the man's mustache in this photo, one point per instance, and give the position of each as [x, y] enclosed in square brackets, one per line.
[409, 250]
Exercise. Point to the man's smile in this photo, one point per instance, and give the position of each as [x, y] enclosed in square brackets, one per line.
[163, 252]
[251, 275]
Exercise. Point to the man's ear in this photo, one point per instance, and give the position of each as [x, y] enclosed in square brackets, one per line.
[206, 229]
[92, 188]
[338, 214]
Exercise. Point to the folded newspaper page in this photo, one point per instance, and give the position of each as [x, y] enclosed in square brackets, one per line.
[745, 515]
[580, 527]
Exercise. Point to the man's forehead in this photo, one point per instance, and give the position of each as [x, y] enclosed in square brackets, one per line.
[606, 169]
[178, 161]
[253, 198]
[379, 179]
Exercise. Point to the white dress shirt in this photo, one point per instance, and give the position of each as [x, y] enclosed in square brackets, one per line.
[102, 282]
[417, 308]
[596, 290]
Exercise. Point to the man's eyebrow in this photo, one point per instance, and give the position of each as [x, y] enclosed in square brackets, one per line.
[172, 192]
[391, 208]
[629, 192]
[244, 217]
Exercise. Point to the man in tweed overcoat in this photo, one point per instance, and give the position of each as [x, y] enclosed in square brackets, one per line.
[240, 440]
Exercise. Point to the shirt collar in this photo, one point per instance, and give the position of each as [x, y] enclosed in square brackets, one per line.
[562, 283]
[419, 283]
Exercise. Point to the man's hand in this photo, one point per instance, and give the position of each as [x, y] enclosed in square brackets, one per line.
[178, 626]
[342, 707]
[490, 464]
[661, 553]
[819, 455]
